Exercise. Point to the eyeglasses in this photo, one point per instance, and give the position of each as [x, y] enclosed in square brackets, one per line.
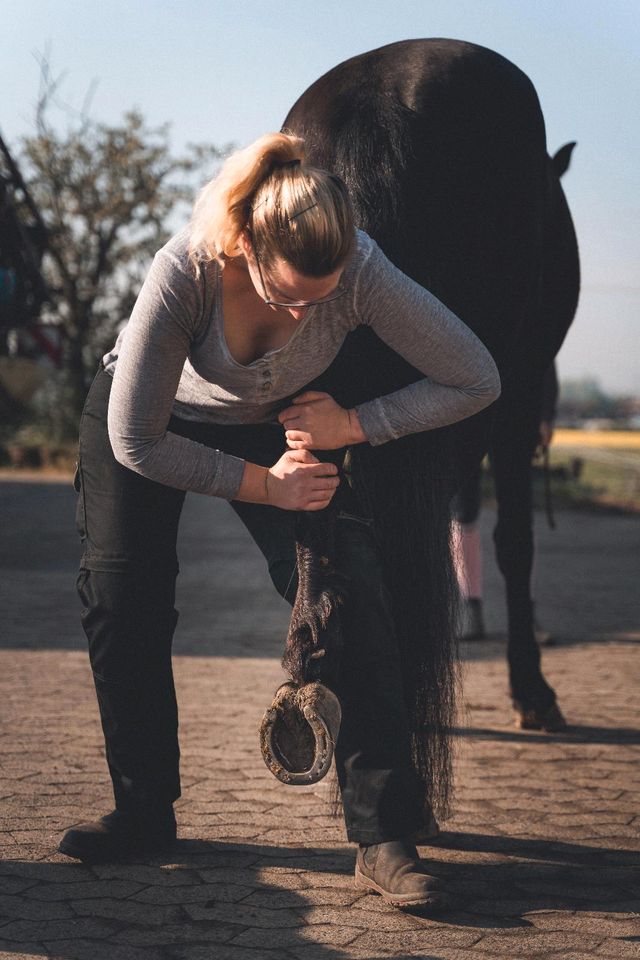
[338, 292]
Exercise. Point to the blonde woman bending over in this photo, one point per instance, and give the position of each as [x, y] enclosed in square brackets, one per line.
[208, 390]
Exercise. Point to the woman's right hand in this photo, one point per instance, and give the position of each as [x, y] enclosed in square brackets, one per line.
[298, 481]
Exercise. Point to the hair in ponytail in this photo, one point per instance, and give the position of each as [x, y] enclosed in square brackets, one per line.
[294, 211]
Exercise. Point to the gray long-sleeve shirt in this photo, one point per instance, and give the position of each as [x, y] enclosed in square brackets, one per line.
[172, 358]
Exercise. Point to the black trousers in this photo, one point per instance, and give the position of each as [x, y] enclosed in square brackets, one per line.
[129, 525]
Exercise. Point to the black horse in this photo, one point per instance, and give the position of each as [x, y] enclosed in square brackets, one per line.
[442, 145]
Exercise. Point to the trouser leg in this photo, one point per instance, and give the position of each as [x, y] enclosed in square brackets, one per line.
[127, 588]
[127, 584]
[380, 791]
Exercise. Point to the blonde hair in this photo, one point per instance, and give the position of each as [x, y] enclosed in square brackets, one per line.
[291, 210]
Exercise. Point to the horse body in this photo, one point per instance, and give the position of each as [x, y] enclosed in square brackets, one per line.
[442, 145]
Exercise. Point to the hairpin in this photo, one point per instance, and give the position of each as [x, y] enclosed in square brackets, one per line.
[300, 212]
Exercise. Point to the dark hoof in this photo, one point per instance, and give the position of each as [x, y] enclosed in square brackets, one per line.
[549, 719]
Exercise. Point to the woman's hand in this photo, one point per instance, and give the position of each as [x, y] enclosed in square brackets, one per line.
[298, 481]
[315, 421]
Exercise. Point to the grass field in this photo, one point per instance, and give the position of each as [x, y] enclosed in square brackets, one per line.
[602, 468]
[590, 469]
[598, 439]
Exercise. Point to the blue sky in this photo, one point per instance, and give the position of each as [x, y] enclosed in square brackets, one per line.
[223, 72]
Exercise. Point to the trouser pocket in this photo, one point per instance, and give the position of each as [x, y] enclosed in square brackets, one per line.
[81, 508]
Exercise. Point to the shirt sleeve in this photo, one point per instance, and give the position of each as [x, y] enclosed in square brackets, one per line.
[153, 351]
[460, 376]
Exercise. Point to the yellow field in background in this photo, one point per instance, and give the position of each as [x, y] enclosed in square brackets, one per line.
[602, 439]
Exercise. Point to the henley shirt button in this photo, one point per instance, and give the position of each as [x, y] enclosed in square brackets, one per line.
[267, 385]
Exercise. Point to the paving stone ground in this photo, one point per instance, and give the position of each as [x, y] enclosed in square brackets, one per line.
[543, 851]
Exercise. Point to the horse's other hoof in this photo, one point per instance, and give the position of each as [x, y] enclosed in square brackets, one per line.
[471, 620]
[549, 719]
[544, 638]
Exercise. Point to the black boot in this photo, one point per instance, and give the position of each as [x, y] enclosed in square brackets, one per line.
[394, 870]
[121, 835]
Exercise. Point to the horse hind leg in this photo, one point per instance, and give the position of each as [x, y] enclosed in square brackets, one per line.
[533, 698]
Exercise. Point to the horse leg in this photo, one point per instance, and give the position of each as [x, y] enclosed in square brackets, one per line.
[532, 696]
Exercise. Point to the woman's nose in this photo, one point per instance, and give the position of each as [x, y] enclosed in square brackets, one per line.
[298, 313]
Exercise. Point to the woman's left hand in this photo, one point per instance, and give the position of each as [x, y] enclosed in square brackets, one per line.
[315, 421]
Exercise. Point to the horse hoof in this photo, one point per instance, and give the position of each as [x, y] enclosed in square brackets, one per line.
[549, 719]
[472, 621]
[299, 731]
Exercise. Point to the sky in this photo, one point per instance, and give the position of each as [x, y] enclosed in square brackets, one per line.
[228, 72]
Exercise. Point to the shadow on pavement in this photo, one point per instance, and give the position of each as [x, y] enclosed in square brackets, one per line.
[228, 606]
[573, 734]
[494, 646]
[236, 901]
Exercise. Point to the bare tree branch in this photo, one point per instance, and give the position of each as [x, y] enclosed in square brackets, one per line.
[107, 194]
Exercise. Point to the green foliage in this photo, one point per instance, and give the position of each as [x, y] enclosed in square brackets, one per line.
[583, 399]
[110, 196]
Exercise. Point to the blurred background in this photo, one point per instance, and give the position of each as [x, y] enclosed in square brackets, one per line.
[115, 113]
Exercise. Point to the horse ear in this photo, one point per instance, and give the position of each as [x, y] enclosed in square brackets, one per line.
[562, 158]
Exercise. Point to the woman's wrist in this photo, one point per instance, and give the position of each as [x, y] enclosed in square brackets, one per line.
[254, 487]
[356, 433]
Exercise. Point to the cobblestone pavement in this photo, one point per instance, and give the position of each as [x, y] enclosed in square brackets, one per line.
[542, 853]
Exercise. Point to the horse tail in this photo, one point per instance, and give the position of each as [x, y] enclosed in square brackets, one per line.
[404, 488]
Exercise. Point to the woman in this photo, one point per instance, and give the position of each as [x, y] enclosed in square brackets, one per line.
[207, 389]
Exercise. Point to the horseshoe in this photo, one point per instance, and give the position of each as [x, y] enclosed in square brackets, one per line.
[299, 731]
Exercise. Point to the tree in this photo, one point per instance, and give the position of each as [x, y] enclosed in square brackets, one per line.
[107, 195]
[584, 398]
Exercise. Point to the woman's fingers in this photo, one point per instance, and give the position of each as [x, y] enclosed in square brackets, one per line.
[297, 410]
[322, 491]
[290, 414]
[324, 470]
[289, 422]
[302, 456]
[310, 396]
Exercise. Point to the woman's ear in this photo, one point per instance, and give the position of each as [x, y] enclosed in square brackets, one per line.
[244, 241]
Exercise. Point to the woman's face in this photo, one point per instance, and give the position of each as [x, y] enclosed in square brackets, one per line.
[282, 287]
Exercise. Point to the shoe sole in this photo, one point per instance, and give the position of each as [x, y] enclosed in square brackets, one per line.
[434, 903]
